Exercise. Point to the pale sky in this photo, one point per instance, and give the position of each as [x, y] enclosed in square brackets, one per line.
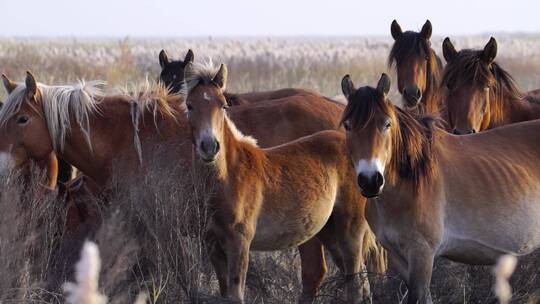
[171, 18]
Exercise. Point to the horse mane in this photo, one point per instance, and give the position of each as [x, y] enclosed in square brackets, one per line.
[152, 97]
[58, 103]
[202, 74]
[412, 158]
[411, 44]
[468, 68]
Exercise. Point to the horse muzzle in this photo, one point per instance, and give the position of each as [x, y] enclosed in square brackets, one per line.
[208, 149]
[412, 97]
[371, 185]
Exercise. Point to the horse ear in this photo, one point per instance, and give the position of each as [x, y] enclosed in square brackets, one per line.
[347, 86]
[221, 77]
[383, 86]
[490, 51]
[31, 85]
[163, 59]
[426, 30]
[449, 51]
[395, 29]
[189, 56]
[8, 84]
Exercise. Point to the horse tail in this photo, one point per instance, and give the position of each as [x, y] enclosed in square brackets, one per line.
[373, 252]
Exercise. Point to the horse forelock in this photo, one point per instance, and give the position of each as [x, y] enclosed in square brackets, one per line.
[59, 104]
[410, 44]
[197, 73]
[361, 107]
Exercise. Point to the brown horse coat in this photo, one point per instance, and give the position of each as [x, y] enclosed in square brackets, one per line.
[468, 198]
[271, 199]
[480, 94]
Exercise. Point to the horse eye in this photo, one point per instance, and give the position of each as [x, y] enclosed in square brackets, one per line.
[22, 120]
[387, 126]
[189, 107]
[346, 125]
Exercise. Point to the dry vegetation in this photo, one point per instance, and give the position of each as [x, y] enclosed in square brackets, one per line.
[151, 237]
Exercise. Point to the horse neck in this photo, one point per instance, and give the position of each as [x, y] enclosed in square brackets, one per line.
[112, 139]
[431, 101]
[236, 155]
[516, 110]
[432, 95]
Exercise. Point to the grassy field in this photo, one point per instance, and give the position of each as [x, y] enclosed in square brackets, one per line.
[146, 242]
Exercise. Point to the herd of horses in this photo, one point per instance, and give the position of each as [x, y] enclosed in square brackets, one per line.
[368, 181]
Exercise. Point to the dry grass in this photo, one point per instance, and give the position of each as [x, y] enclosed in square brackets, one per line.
[152, 236]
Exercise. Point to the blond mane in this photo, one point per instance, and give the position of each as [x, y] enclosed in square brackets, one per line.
[59, 103]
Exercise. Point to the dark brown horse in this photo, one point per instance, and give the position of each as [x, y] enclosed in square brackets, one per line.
[172, 75]
[432, 194]
[480, 94]
[418, 68]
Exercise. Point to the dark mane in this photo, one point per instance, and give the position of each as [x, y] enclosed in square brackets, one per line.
[468, 68]
[412, 44]
[412, 157]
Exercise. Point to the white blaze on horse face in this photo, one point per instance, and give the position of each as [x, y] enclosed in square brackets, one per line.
[369, 167]
[206, 133]
[7, 162]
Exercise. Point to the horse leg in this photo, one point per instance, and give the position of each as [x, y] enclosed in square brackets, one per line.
[237, 250]
[313, 269]
[343, 239]
[419, 279]
[350, 237]
[219, 262]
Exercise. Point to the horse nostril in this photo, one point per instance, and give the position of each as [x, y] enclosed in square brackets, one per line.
[472, 131]
[216, 147]
[418, 93]
[456, 132]
[379, 180]
[360, 180]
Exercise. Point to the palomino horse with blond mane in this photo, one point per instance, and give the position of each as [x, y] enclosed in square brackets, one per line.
[418, 68]
[480, 93]
[271, 199]
[431, 193]
[100, 134]
[172, 76]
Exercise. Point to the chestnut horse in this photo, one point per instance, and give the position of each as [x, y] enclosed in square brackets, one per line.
[467, 198]
[271, 199]
[418, 68]
[101, 134]
[480, 93]
[172, 76]
[55, 171]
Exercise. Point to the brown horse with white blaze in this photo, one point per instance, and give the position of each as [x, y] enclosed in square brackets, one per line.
[271, 199]
[466, 198]
[418, 68]
[480, 94]
[103, 134]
